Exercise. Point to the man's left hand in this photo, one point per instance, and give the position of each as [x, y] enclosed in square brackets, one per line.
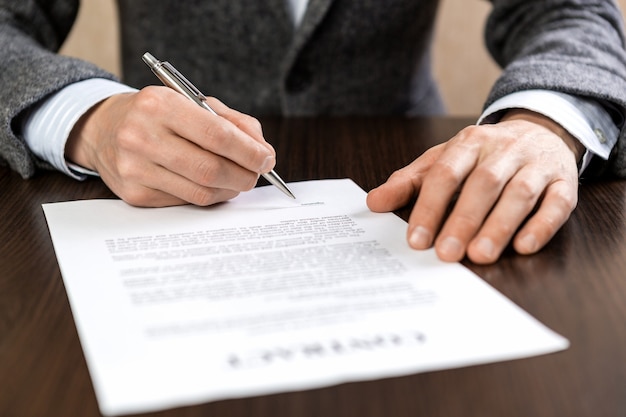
[521, 171]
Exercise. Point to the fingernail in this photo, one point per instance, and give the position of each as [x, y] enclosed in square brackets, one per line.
[268, 164]
[450, 248]
[486, 247]
[420, 238]
[529, 243]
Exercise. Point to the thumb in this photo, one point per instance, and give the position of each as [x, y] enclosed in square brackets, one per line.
[396, 192]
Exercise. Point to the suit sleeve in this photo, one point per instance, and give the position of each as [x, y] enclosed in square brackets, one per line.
[31, 32]
[571, 46]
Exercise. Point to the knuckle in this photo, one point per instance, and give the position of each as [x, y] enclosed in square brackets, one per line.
[127, 170]
[217, 133]
[202, 196]
[136, 196]
[568, 199]
[548, 223]
[526, 189]
[466, 221]
[470, 136]
[489, 176]
[469, 132]
[562, 204]
[252, 123]
[149, 99]
[257, 156]
[399, 174]
[505, 229]
[129, 137]
[447, 172]
[395, 176]
[249, 182]
[207, 171]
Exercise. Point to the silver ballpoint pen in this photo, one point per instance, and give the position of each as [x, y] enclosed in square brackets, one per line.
[177, 81]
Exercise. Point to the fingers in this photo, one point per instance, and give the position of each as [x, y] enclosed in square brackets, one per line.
[215, 134]
[155, 148]
[483, 241]
[486, 241]
[477, 191]
[397, 192]
[555, 209]
[403, 185]
[199, 166]
[155, 182]
[246, 123]
[159, 187]
[443, 181]
[471, 214]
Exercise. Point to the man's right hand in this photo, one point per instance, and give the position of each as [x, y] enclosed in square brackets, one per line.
[157, 148]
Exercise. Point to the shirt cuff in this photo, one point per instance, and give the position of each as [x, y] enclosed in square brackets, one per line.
[584, 119]
[48, 124]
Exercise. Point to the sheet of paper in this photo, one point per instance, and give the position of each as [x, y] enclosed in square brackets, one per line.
[263, 294]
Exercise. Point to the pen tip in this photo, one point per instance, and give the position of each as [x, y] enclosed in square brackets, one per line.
[287, 191]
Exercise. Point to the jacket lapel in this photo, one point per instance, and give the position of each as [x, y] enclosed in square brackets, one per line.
[313, 16]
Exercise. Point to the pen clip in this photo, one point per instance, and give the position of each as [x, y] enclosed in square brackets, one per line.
[177, 81]
[183, 81]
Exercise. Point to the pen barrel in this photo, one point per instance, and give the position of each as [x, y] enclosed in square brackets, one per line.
[171, 78]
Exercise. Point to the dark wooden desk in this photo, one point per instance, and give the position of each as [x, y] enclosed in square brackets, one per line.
[576, 286]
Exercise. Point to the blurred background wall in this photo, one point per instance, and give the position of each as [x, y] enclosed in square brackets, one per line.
[462, 65]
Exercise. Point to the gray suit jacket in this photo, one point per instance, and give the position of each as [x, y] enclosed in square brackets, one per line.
[347, 57]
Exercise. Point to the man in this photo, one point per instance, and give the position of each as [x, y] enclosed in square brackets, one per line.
[558, 104]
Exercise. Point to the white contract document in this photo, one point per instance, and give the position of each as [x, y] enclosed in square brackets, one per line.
[264, 294]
